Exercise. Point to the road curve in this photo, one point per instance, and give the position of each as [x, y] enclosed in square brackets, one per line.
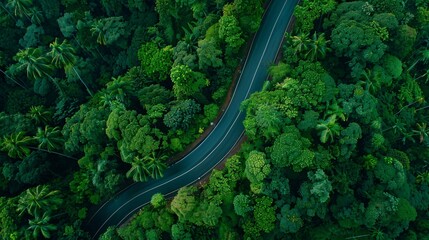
[216, 146]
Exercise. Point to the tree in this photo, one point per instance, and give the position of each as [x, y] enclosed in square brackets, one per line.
[39, 199]
[257, 169]
[16, 145]
[242, 205]
[290, 220]
[155, 165]
[158, 200]
[328, 129]
[181, 115]
[63, 56]
[231, 33]
[292, 150]
[153, 95]
[318, 47]
[39, 114]
[20, 7]
[40, 224]
[155, 62]
[108, 30]
[35, 64]
[359, 42]
[139, 171]
[309, 11]
[49, 138]
[187, 83]
[184, 203]
[209, 54]
[265, 214]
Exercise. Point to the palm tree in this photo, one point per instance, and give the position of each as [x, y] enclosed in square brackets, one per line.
[328, 129]
[422, 131]
[300, 43]
[38, 199]
[41, 225]
[20, 7]
[39, 114]
[97, 28]
[63, 56]
[155, 166]
[16, 145]
[138, 171]
[35, 64]
[318, 47]
[49, 138]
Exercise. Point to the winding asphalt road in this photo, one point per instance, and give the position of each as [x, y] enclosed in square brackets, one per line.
[218, 144]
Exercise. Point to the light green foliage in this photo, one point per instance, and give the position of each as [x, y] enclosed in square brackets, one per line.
[8, 218]
[321, 186]
[290, 220]
[133, 133]
[306, 88]
[309, 11]
[155, 62]
[184, 203]
[328, 129]
[16, 145]
[181, 115]
[248, 13]
[37, 200]
[257, 167]
[33, 62]
[40, 226]
[279, 72]
[186, 82]
[292, 150]
[231, 33]
[242, 205]
[264, 214]
[49, 138]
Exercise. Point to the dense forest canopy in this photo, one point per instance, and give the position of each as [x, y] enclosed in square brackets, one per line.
[99, 93]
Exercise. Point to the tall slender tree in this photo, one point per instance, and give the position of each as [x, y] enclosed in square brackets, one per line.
[35, 64]
[39, 199]
[41, 225]
[63, 56]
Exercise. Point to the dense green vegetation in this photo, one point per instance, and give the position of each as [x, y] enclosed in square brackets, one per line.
[337, 143]
[99, 93]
